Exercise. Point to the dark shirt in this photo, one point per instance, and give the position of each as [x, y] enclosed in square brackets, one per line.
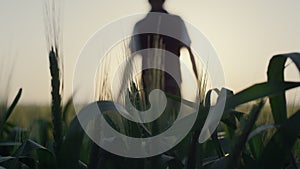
[172, 28]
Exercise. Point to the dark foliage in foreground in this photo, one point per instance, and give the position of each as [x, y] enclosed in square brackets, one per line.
[237, 143]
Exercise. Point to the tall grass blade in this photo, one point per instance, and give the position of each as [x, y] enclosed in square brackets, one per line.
[259, 91]
[242, 136]
[256, 141]
[276, 74]
[276, 153]
[10, 110]
[70, 150]
[43, 156]
[261, 129]
[66, 108]
[39, 131]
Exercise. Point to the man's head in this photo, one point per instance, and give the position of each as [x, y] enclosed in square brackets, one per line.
[156, 3]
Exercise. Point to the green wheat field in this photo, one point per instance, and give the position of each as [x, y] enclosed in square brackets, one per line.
[258, 128]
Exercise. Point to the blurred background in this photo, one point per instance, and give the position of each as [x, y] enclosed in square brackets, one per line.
[245, 34]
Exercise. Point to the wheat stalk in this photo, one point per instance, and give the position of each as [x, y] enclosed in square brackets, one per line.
[54, 40]
[56, 101]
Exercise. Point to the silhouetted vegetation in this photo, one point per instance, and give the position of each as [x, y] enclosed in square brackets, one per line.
[244, 139]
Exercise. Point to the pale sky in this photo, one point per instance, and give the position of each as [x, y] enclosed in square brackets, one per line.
[245, 34]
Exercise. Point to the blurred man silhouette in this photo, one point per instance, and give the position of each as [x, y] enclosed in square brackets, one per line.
[158, 39]
[157, 19]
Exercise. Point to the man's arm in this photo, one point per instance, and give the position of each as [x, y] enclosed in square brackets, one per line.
[186, 41]
[193, 61]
